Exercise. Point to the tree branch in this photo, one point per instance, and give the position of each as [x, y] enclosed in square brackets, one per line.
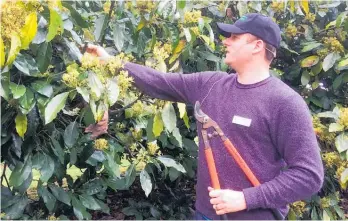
[125, 107]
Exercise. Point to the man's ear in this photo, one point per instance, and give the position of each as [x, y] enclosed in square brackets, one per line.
[259, 46]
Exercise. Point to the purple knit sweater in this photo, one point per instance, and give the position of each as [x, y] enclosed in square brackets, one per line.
[272, 130]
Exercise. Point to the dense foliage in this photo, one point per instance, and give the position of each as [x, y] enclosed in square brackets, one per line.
[76, 132]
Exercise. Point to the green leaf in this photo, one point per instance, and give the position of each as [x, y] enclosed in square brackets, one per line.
[100, 26]
[15, 47]
[17, 90]
[93, 186]
[26, 64]
[25, 185]
[342, 65]
[111, 166]
[29, 30]
[187, 34]
[73, 156]
[75, 15]
[335, 127]
[177, 136]
[157, 125]
[181, 4]
[84, 93]
[169, 117]
[47, 168]
[341, 142]
[340, 19]
[168, 162]
[60, 194]
[38, 160]
[310, 47]
[146, 183]
[27, 101]
[112, 91]
[328, 114]
[56, 23]
[43, 88]
[95, 85]
[21, 124]
[71, 134]
[44, 56]
[316, 69]
[57, 150]
[325, 216]
[186, 120]
[173, 174]
[119, 35]
[330, 60]
[48, 198]
[54, 106]
[21, 172]
[16, 210]
[310, 61]
[344, 178]
[305, 78]
[79, 209]
[89, 202]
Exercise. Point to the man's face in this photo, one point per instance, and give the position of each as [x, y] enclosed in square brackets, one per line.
[239, 49]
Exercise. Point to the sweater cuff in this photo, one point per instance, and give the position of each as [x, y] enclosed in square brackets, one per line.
[253, 197]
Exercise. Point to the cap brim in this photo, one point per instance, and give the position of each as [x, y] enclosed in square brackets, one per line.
[227, 29]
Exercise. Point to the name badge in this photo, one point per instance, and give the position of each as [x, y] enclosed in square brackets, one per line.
[241, 121]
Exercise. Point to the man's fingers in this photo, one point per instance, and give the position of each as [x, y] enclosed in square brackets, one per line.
[210, 188]
[221, 212]
[215, 193]
[216, 200]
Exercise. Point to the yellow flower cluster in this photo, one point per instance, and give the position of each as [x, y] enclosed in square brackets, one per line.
[310, 17]
[142, 158]
[323, 52]
[331, 159]
[299, 207]
[138, 108]
[343, 119]
[195, 30]
[162, 51]
[141, 5]
[192, 17]
[137, 133]
[120, 126]
[342, 35]
[322, 132]
[152, 148]
[90, 62]
[13, 14]
[106, 6]
[116, 63]
[341, 168]
[277, 6]
[325, 202]
[133, 147]
[71, 78]
[124, 82]
[333, 44]
[52, 218]
[291, 31]
[101, 144]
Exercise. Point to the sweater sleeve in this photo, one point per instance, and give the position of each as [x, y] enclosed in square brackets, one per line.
[295, 140]
[166, 86]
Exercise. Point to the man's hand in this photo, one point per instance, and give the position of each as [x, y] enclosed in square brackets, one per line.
[227, 201]
[97, 51]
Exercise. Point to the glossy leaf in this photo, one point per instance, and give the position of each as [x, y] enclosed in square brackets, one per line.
[29, 30]
[21, 124]
[54, 106]
[55, 24]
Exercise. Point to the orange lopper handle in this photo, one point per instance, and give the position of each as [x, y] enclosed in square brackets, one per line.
[240, 161]
[212, 169]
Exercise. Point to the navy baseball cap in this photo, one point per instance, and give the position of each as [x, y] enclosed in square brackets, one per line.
[256, 24]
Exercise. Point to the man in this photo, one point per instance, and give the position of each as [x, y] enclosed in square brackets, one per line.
[268, 122]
